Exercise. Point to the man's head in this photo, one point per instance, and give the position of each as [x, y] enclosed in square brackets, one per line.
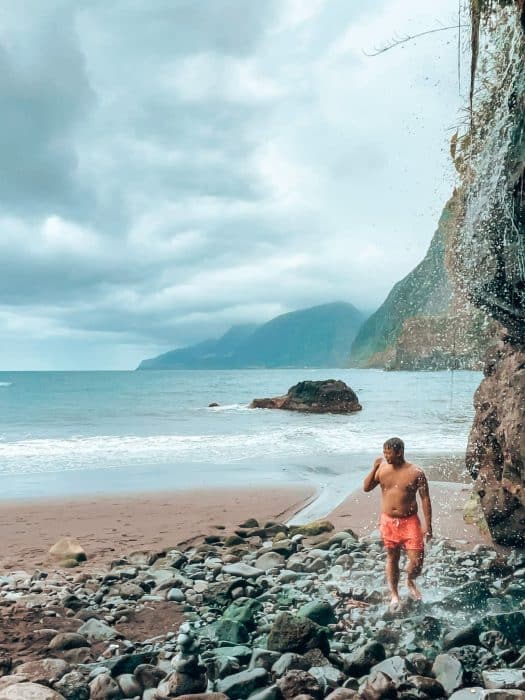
[394, 450]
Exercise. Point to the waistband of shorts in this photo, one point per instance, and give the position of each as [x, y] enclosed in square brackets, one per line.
[399, 517]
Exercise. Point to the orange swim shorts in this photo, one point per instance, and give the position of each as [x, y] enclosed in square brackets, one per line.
[401, 532]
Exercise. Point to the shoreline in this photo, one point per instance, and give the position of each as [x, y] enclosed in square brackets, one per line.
[112, 525]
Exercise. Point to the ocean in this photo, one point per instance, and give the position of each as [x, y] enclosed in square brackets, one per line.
[70, 434]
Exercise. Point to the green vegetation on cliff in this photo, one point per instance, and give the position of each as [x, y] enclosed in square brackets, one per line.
[424, 323]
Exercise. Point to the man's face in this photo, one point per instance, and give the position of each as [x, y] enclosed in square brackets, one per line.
[391, 455]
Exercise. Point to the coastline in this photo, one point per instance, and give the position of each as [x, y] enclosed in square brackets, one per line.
[112, 525]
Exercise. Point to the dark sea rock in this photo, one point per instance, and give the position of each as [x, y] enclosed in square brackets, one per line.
[327, 396]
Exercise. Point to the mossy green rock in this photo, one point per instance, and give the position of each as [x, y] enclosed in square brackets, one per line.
[242, 610]
[230, 631]
[317, 527]
[319, 611]
[291, 633]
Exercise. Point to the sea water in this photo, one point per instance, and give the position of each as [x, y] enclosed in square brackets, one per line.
[69, 434]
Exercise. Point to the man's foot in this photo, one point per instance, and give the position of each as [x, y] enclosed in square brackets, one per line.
[413, 591]
[394, 602]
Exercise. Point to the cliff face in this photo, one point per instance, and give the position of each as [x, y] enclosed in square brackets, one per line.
[487, 258]
[424, 323]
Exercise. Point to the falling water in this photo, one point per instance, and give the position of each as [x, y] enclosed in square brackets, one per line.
[491, 245]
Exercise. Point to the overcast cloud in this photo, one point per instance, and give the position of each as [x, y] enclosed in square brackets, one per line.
[172, 167]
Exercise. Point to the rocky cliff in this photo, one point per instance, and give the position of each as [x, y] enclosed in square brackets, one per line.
[487, 257]
[425, 323]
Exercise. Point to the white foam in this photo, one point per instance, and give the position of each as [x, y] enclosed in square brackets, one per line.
[6, 384]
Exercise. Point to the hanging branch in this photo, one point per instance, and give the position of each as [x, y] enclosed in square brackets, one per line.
[409, 37]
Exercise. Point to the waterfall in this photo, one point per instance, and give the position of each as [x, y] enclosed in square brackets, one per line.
[490, 247]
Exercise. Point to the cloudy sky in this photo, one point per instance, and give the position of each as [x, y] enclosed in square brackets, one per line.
[172, 167]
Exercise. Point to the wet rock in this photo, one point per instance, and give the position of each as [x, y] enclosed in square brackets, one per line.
[29, 691]
[291, 633]
[378, 686]
[359, 662]
[241, 685]
[504, 678]
[461, 637]
[319, 611]
[395, 667]
[422, 686]
[511, 625]
[326, 396]
[295, 683]
[449, 672]
[470, 596]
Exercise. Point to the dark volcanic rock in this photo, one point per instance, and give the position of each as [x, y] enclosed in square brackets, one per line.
[291, 633]
[496, 449]
[327, 396]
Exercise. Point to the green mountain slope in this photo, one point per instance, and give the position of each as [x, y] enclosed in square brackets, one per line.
[424, 323]
[316, 337]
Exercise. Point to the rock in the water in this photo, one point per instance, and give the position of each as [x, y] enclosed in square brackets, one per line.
[360, 661]
[68, 548]
[449, 672]
[504, 678]
[327, 396]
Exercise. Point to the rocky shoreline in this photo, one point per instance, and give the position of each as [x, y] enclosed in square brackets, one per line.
[269, 613]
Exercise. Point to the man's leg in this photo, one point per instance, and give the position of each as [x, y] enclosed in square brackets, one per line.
[392, 572]
[415, 564]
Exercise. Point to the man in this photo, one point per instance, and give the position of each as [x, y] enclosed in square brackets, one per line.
[400, 526]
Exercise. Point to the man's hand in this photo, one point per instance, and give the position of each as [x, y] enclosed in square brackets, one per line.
[371, 480]
[427, 534]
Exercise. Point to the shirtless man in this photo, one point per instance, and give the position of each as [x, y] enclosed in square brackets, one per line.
[400, 527]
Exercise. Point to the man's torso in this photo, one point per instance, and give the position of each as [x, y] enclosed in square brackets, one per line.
[399, 487]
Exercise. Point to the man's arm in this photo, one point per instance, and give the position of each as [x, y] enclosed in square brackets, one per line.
[424, 494]
[371, 480]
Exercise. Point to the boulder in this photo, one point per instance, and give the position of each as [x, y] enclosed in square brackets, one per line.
[241, 685]
[291, 633]
[326, 396]
[68, 548]
[449, 672]
[511, 678]
[47, 671]
[296, 682]
[29, 691]
[319, 611]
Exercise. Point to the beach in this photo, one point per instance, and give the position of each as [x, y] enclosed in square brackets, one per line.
[111, 526]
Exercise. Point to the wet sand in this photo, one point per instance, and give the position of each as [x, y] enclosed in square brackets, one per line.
[110, 526]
